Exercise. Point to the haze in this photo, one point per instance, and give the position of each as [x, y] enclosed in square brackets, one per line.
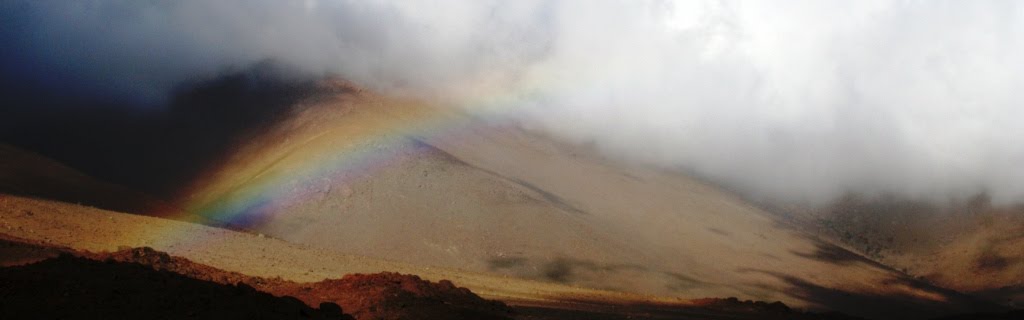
[791, 101]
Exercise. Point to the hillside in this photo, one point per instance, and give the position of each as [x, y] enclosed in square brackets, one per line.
[400, 180]
[83, 254]
[372, 184]
[28, 174]
[969, 246]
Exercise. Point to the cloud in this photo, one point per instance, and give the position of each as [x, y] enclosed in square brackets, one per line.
[791, 100]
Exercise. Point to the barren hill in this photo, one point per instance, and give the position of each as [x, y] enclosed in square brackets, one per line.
[971, 246]
[28, 174]
[33, 232]
[394, 179]
[354, 182]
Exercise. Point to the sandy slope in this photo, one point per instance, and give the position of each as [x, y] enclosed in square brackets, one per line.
[491, 198]
[988, 262]
[971, 246]
[77, 227]
[71, 284]
[481, 203]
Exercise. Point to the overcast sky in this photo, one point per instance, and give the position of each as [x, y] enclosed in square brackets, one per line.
[790, 100]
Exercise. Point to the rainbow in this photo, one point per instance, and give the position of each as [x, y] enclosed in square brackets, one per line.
[251, 185]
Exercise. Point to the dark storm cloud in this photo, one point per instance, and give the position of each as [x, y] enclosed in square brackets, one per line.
[156, 150]
[795, 100]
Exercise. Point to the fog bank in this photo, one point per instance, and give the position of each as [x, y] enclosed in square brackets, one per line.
[783, 100]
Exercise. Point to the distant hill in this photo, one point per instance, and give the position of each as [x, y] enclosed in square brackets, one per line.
[28, 174]
[970, 246]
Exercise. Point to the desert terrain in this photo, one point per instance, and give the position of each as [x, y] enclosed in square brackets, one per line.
[93, 261]
[541, 159]
[971, 246]
[353, 182]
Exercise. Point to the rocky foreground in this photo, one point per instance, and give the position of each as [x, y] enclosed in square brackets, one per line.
[55, 283]
[144, 283]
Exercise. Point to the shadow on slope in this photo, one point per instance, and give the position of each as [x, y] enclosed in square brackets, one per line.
[146, 283]
[69, 287]
[24, 173]
[157, 149]
[921, 301]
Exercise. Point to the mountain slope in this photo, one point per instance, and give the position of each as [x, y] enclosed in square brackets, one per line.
[54, 224]
[400, 180]
[28, 174]
[42, 265]
[969, 246]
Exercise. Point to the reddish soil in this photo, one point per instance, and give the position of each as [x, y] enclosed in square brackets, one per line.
[69, 287]
[144, 282]
[367, 296]
[42, 282]
[396, 296]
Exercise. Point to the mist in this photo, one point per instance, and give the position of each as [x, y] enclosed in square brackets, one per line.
[788, 100]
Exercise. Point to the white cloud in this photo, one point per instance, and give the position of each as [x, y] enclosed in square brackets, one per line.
[781, 99]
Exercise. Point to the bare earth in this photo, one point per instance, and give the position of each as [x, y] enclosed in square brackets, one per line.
[35, 232]
[491, 198]
[509, 214]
